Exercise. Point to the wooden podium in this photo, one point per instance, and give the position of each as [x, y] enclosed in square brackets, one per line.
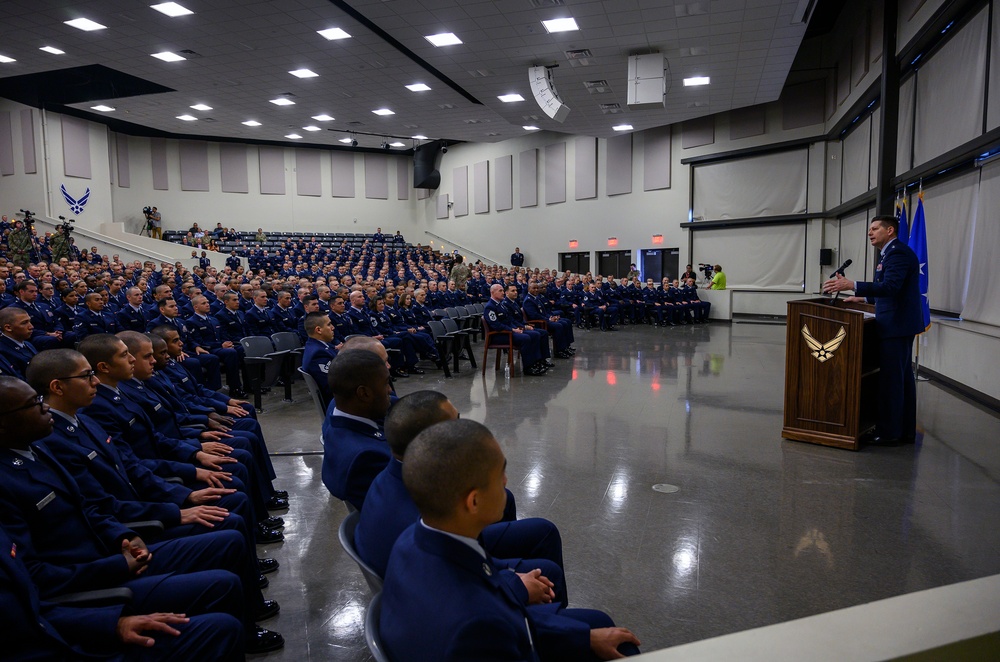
[831, 372]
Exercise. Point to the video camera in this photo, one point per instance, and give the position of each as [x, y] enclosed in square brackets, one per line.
[66, 227]
[708, 270]
[147, 211]
[29, 217]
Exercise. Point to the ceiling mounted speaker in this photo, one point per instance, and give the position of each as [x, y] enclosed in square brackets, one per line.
[545, 93]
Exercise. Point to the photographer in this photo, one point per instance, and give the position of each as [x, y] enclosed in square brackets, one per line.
[154, 222]
[19, 244]
[719, 279]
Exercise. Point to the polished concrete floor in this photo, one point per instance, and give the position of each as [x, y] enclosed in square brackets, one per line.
[760, 530]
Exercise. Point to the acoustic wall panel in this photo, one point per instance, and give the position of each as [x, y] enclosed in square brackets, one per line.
[746, 122]
[342, 174]
[585, 157]
[503, 182]
[442, 205]
[619, 165]
[481, 187]
[460, 185]
[194, 165]
[76, 147]
[803, 104]
[527, 178]
[233, 167]
[158, 164]
[6, 144]
[28, 141]
[272, 170]
[121, 145]
[307, 172]
[376, 177]
[697, 132]
[555, 173]
[402, 179]
[656, 159]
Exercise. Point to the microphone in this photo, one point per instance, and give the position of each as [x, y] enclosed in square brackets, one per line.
[842, 267]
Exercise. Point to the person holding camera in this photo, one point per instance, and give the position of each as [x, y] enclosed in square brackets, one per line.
[155, 224]
[19, 244]
[719, 279]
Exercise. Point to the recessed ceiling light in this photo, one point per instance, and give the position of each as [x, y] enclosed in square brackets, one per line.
[293, 136]
[443, 39]
[251, 123]
[383, 112]
[85, 24]
[510, 98]
[187, 118]
[397, 144]
[561, 25]
[697, 80]
[171, 9]
[5, 59]
[303, 73]
[622, 127]
[102, 108]
[529, 127]
[311, 128]
[333, 34]
[322, 118]
[167, 56]
[52, 49]
[282, 101]
[419, 137]
[346, 141]
[418, 87]
[201, 106]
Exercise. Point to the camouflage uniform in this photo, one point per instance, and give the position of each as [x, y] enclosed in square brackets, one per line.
[19, 246]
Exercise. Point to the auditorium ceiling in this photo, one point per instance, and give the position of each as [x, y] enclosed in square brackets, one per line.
[238, 56]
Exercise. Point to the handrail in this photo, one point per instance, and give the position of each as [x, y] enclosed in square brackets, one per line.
[462, 248]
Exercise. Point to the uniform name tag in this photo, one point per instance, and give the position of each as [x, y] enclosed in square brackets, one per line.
[183, 381]
[91, 455]
[157, 407]
[131, 423]
[49, 498]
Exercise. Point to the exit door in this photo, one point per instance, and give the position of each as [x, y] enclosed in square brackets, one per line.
[614, 263]
[578, 263]
[660, 263]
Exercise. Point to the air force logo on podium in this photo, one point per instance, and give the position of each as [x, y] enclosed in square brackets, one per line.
[823, 351]
[75, 206]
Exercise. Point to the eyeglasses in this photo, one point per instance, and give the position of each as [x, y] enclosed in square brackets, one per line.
[37, 401]
[89, 375]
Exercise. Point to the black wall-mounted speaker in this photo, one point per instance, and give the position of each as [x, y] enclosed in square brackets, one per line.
[825, 257]
[425, 172]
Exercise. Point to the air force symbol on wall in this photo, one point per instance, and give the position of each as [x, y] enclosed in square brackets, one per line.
[75, 206]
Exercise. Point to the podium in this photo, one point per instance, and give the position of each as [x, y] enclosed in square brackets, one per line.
[831, 372]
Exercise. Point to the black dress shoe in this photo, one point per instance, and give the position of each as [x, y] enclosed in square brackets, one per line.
[415, 371]
[269, 610]
[265, 535]
[549, 364]
[264, 641]
[263, 582]
[281, 494]
[277, 503]
[402, 374]
[239, 395]
[267, 566]
[274, 522]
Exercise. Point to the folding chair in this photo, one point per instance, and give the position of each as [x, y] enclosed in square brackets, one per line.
[259, 353]
[346, 535]
[498, 340]
[372, 637]
[314, 392]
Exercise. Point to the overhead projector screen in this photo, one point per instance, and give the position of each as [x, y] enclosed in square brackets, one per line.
[761, 257]
[767, 185]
